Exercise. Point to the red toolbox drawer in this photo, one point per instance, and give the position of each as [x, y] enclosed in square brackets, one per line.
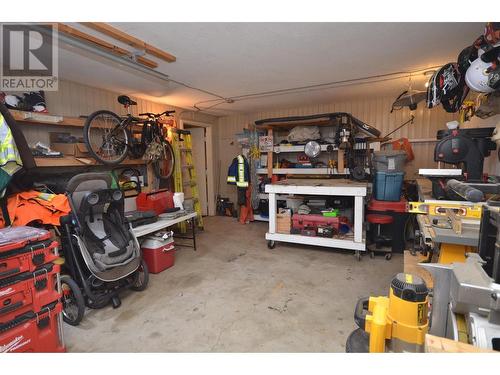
[158, 254]
[17, 237]
[27, 258]
[33, 332]
[28, 291]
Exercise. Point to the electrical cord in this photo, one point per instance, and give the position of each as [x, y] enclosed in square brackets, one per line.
[320, 86]
[410, 121]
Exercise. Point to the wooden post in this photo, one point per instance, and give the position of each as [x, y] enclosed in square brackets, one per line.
[340, 161]
[270, 156]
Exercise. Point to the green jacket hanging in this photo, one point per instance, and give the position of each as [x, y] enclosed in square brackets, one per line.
[10, 160]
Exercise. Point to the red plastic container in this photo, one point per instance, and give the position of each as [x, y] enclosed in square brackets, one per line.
[157, 201]
[33, 332]
[158, 254]
[28, 291]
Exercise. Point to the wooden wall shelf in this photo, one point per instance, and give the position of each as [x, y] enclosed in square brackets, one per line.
[45, 119]
[71, 161]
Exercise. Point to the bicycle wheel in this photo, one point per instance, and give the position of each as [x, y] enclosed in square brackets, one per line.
[106, 139]
[164, 168]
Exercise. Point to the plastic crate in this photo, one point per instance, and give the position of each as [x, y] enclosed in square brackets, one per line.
[388, 185]
[389, 161]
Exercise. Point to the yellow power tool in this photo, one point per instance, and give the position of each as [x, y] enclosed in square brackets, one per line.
[397, 323]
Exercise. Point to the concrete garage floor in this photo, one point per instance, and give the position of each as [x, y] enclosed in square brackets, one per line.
[236, 295]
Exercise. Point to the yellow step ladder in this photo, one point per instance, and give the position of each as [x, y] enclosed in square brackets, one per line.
[185, 172]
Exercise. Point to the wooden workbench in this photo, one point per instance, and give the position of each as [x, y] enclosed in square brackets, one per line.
[331, 187]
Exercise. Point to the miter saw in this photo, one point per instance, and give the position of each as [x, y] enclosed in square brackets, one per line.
[466, 295]
[466, 150]
[465, 303]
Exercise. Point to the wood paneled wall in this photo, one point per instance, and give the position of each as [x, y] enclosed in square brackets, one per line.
[374, 111]
[74, 99]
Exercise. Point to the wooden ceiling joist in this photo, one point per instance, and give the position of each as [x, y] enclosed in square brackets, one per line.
[114, 33]
[62, 28]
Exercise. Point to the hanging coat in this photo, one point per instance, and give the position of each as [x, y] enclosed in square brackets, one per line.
[10, 160]
[239, 172]
[32, 206]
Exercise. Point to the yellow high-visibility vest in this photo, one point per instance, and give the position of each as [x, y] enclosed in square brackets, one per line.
[10, 160]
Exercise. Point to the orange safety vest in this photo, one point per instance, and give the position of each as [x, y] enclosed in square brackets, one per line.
[33, 206]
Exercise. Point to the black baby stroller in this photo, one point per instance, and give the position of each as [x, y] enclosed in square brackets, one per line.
[102, 255]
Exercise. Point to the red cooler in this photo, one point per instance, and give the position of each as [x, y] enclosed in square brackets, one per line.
[158, 253]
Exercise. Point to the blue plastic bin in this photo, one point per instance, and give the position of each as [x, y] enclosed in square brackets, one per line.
[388, 185]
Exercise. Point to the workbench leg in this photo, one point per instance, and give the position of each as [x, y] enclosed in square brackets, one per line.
[193, 227]
[358, 219]
[272, 213]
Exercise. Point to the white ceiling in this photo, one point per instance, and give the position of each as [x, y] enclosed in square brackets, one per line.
[234, 59]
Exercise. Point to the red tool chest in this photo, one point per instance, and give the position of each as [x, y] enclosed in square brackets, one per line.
[33, 332]
[28, 291]
[157, 201]
[30, 307]
[158, 253]
[27, 258]
[304, 221]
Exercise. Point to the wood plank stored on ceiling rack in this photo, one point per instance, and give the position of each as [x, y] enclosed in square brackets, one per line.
[113, 32]
[104, 45]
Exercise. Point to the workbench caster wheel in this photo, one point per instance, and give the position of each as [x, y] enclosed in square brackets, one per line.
[372, 254]
[271, 244]
[388, 256]
[357, 254]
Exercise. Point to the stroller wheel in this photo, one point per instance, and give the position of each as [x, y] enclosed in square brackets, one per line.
[72, 300]
[141, 278]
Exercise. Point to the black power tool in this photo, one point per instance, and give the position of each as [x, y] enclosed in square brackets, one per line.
[465, 148]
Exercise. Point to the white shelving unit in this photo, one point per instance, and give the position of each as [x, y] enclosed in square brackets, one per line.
[307, 171]
[291, 148]
[355, 241]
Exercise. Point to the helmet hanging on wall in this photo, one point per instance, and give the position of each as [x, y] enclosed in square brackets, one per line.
[484, 73]
[433, 93]
[492, 32]
[466, 57]
[447, 86]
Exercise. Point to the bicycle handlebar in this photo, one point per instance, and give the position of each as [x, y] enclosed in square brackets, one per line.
[156, 115]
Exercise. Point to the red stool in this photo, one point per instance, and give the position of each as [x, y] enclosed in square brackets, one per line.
[377, 239]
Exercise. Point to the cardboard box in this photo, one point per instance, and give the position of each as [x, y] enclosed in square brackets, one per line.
[284, 221]
[78, 150]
